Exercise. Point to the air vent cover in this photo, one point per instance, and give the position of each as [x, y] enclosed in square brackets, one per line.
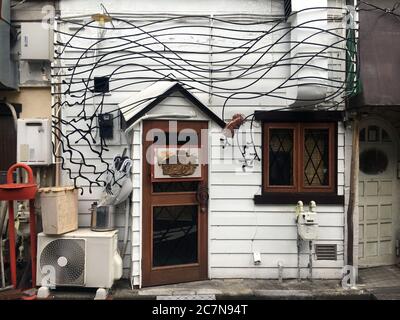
[67, 256]
[326, 251]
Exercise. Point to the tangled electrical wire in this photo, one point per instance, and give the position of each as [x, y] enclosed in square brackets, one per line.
[229, 59]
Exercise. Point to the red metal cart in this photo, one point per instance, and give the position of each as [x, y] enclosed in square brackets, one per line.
[20, 191]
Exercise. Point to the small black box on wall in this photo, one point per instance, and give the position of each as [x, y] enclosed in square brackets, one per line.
[106, 125]
[102, 84]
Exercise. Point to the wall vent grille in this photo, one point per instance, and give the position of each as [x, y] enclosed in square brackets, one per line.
[326, 251]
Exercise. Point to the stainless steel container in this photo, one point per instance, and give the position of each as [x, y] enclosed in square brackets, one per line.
[102, 218]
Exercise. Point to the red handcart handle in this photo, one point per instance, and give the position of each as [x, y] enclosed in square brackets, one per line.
[27, 168]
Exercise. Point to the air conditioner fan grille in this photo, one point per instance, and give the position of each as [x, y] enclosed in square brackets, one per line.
[67, 257]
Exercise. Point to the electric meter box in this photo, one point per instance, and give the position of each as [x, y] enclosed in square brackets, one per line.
[34, 146]
[36, 41]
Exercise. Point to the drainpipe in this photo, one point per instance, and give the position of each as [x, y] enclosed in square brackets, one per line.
[353, 190]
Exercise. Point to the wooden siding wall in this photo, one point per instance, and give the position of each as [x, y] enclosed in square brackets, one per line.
[237, 226]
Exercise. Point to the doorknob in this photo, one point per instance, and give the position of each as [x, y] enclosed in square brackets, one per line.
[202, 197]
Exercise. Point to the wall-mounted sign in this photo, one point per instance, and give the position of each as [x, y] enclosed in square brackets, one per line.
[176, 163]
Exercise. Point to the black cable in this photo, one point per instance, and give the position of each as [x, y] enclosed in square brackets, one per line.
[127, 52]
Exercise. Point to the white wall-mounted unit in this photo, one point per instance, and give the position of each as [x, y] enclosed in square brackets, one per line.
[34, 142]
[82, 258]
[310, 39]
[36, 41]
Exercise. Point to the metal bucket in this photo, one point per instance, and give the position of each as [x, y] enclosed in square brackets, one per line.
[102, 218]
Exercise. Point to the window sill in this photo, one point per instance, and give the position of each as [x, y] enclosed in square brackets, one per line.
[293, 198]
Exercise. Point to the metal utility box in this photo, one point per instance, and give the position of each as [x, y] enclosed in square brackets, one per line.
[36, 41]
[34, 142]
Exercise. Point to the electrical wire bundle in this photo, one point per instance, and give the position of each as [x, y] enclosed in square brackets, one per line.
[236, 60]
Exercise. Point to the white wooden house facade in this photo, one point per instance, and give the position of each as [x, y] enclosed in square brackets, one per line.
[240, 220]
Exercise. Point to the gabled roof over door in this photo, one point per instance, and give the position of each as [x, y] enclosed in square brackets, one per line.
[137, 106]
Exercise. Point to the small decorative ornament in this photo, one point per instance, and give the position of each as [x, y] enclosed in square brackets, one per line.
[177, 163]
[234, 124]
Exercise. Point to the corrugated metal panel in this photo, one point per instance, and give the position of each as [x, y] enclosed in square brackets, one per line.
[379, 47]
[8, 70]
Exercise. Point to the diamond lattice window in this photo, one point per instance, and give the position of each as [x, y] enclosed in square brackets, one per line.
[299, 157]
[316, 157]
[281, 157]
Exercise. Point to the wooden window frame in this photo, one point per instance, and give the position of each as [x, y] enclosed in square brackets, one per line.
[298, 158]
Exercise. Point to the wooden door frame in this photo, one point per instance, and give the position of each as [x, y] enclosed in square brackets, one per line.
[172, 274]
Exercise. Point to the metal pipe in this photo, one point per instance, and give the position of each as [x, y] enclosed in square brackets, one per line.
[127, 212]
[3, 213]
[32, 225]
[280, 270]
[11, 236]
[310, 261]
[298, 259]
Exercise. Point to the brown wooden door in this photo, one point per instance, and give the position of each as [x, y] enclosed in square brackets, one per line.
[174, 221]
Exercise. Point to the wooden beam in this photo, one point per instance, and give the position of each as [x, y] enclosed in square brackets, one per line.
[353, 191]
[299, 116]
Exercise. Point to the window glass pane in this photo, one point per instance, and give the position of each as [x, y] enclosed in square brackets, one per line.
[281, 157]
[385, 136]
[316, 157]
[362, 135]
[175, 233]
[373, 134]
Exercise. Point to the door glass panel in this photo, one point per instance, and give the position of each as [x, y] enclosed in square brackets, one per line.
[175, 234]
[177, 139]
[316, 157]
[385, 136]
[373, 161]
[281, 157]
[179, 186]
[373, 134]
[362, 135]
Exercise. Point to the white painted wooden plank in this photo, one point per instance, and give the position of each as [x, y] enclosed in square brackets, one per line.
[264, 246]
[340, 181]
[273, 273]
[269, 219]
[270, 232]
[233, 192]
[135, 239]
[240, 260]
[240, 205]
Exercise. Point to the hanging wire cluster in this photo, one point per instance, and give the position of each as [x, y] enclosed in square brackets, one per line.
[236, 59]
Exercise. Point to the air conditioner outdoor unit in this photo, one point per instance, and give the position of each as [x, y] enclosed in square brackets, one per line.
[82, 258]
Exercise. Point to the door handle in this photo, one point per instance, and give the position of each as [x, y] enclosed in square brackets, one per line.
[202, 197]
